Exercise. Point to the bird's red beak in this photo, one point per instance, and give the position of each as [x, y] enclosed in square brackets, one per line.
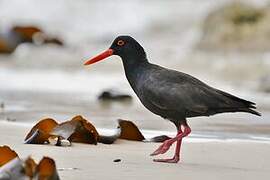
[99, 57]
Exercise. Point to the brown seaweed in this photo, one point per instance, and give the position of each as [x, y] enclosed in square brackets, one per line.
[12, 167]
[40, 133]
[76, 130]
[80, 130]
[129, 131]
[46, 169]
[6, 155]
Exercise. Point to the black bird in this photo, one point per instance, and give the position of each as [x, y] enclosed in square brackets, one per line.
[171, 94]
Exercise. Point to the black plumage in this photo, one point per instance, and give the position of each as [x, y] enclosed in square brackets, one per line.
[171, 94]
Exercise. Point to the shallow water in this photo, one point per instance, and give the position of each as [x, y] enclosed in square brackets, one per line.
[48, 81]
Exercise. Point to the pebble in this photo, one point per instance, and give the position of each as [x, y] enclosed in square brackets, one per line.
[117, 160]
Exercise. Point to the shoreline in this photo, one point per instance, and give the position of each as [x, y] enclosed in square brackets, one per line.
[194, 137]
[208, 160]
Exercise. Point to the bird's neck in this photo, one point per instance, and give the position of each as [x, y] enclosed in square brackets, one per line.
[134, 70]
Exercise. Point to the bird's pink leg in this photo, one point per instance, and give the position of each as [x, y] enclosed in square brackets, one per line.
[176, 156]
[166, 145]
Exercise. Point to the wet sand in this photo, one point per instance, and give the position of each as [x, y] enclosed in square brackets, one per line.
[29, 107]
[218, 159]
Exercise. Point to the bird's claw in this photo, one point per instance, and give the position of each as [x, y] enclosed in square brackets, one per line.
[175, 159]
[162, 149]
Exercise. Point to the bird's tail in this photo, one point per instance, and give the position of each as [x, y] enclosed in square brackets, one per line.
[242, 105]
[249, 110]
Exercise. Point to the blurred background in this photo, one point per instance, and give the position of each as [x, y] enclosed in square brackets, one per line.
[43, 45]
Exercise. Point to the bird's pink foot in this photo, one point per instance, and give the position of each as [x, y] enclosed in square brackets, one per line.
[175, 159]
[166, 146]
[162, 148]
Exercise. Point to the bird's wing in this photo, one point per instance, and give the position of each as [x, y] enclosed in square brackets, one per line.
[180, 92]
[178, 97]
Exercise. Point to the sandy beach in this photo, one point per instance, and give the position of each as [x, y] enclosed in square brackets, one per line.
[217, 159]
[40, 80]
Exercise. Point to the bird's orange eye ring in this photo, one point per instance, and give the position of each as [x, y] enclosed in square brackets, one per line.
[120, 43]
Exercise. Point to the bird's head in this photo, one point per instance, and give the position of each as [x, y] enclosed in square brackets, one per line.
[124, 46]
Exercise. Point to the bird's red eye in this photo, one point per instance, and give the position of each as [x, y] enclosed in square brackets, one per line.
[120, 43]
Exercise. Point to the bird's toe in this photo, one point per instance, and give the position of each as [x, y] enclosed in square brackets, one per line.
[161, 149]
[172, 160]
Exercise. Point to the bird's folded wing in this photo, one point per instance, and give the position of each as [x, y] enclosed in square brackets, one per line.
[188, 97]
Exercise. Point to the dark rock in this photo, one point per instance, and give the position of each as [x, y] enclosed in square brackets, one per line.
[117, 160]
[114, 95]
[158, 139]
[109, 139]
[2, 106]
[11, 119]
